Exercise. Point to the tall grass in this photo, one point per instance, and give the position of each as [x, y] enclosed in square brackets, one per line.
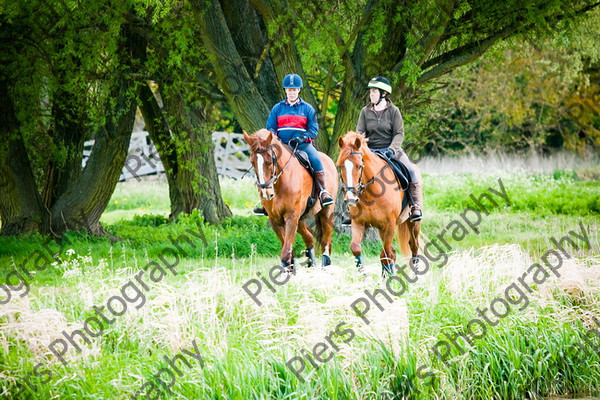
[245, 347]
[529, 354]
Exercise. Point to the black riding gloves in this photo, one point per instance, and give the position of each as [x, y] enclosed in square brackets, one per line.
[298, 139]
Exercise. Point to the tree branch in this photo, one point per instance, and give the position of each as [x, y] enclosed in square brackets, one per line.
[464, 54]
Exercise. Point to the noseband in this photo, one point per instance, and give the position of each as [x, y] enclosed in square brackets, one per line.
[360, 187]
[274, 176]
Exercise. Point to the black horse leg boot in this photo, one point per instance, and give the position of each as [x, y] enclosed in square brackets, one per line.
[324, 196]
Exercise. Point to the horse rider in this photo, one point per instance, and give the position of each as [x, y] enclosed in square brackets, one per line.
[294, 122]
[381, 122]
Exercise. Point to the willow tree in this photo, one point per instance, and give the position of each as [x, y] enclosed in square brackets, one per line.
[339, 46]
[77, 71]
[178, 103]
[52, 99]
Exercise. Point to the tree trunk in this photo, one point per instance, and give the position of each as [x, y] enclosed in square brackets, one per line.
[361, 66]
[159, 131]
[187, 155]
[285, 56]
[20, 203]
[196, 179]
[86, 198]
[241, 93]
[249, 35]
[69, 117]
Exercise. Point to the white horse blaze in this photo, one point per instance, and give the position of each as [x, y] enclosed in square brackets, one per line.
[260, 162]
[349, 168]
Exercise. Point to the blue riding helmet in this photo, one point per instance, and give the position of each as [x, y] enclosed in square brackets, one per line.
[292, 81]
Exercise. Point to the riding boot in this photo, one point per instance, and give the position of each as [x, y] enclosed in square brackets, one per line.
[416, 195]
[260, 211]
[324, 196]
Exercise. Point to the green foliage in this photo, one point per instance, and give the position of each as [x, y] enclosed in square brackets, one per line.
[530, 93]
[560, 193]
[530, 353]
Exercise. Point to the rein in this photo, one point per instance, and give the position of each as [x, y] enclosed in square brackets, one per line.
[359, 185]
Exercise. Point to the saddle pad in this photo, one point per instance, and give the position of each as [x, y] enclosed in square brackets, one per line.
[302, 157]
[400, 171]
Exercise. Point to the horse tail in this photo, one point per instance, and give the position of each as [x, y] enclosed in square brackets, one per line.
[403, 238]
[319, 231]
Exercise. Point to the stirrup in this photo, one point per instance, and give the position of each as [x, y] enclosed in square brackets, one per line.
[328, 198]
[260, 211]
[415, 214]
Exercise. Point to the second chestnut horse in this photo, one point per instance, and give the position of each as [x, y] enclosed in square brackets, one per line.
[375, 199]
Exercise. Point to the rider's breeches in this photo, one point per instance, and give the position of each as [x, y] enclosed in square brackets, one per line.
[415, 173]
[313, 156]
[415, 188]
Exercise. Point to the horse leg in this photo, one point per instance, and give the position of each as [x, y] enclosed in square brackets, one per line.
[388, 254]
[289, 234]
[309, 241]
[414, 229]
[358, 232]
[324, 220]
[279, 231]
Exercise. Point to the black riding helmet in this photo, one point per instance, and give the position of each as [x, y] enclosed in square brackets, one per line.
[381, 83]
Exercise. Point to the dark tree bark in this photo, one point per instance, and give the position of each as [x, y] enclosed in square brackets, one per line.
[158, 128]
[285, 56]
[20, 203]
[187, 155]
[249, 35]
[69, 117]
[86, 198]
[243, 97]
[360, 67]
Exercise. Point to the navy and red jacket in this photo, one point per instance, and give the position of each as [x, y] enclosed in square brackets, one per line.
[286, 120]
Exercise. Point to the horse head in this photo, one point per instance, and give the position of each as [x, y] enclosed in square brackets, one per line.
[264, 155]
[351, 161]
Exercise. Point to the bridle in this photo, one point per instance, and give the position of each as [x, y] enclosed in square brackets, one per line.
[274, 176]
[359, 185]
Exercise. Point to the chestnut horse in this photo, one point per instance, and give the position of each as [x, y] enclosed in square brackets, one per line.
[284, 186]
[375, 199]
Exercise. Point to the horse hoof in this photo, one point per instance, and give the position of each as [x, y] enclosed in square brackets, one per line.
[387, 271]
[325, 260]
[361, 269]
[312, 260]
[415, 262]
[290, 269]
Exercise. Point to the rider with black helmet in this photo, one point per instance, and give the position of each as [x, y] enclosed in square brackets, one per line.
[381, 122]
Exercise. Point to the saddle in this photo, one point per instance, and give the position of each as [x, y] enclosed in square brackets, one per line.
[401, 173]
[302, 157]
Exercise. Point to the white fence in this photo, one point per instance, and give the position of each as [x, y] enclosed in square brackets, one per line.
[232, 155]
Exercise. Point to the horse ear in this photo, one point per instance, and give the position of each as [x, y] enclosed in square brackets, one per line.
[341, 142]
[357, 143]
[269, 138]
[247, 137]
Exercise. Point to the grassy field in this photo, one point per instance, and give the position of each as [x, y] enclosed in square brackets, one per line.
[200, 307]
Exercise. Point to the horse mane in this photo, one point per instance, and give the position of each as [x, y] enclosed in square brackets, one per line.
[258, 139]
[349, 141]
[261, 134]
